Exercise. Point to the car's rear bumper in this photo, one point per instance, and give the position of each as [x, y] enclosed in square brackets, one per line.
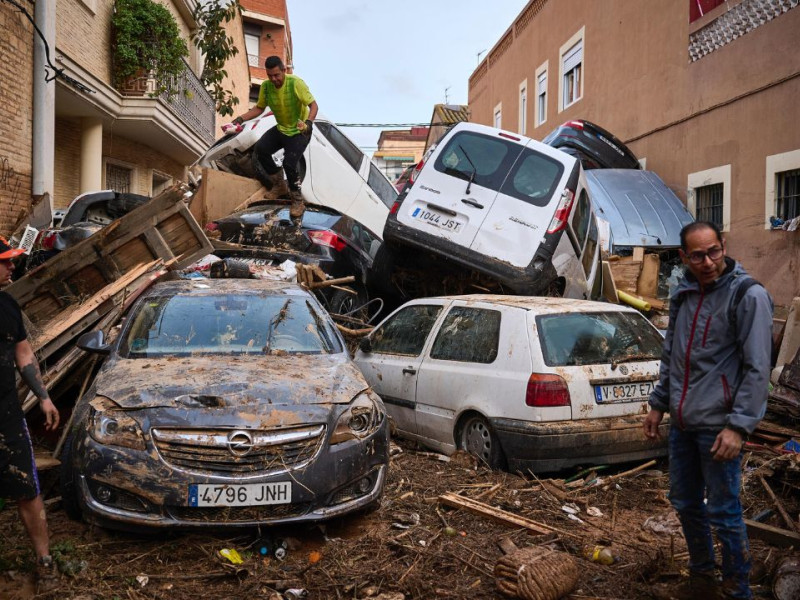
[531, 280]
[551, 446]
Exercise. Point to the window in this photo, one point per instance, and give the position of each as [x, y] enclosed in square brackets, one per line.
[782, 197]
[708, 203]
[709, 197]
[589, 250]
[468, 335]
[405, 332]
[523, 106]
[381, 186]
[498, 116]
[341, 142]
[160, 183]
[570, 71]
[541, 98]
[572, 74]
[252, 37]
[119, 177]
[698, 8]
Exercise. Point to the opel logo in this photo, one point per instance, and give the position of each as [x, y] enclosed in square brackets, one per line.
[240, 443]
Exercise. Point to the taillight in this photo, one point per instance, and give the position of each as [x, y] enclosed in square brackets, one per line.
[413, 176]
[395, 207]
[559, 220]
[575, 124]
[547, 390]
[48, 240]
[212, 226]
[327, 238]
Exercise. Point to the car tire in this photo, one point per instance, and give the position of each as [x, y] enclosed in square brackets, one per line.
[69, 483]
[343, 302]
[478, 438]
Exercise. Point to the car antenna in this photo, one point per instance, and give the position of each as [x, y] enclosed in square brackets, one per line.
[474, 170]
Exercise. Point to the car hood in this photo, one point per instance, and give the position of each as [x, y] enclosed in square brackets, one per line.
[217, 382]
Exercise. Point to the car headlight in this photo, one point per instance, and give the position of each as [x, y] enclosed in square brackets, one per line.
[361, 419]
[115, 428]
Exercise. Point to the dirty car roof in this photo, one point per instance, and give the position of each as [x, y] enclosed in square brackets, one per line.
[540, 304]
[217, 286]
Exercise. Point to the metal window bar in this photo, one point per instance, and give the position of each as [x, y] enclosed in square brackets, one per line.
[191, 102]
[709, 203]
[787, 189]
[118, 178]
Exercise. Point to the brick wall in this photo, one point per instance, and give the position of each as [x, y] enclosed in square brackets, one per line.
[144, 158]
[84, 34]
[67, 162]
[16, 109]
[273, 8]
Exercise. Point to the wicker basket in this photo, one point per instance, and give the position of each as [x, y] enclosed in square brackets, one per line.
[536, 573]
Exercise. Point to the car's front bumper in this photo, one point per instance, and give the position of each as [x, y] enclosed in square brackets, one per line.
[148, 493]
[551, 446]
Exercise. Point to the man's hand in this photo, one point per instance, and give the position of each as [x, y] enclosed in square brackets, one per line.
[651, 423]
[728, 445]
[50, 414]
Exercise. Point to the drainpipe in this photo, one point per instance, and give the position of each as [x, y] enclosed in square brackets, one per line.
[44, 117]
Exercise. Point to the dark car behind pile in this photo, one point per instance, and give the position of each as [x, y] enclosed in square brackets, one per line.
[595, 147]
[339, 244]
[224, 403]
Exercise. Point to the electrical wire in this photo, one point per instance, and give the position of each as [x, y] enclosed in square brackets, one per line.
[57, 73]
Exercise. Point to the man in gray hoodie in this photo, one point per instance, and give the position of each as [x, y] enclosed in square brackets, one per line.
[714, 374]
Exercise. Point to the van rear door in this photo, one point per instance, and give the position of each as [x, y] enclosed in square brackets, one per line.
[526, 203]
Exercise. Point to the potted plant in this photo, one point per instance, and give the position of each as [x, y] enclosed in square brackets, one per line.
[146, 45]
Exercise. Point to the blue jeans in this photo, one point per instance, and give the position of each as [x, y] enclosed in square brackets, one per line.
[694, 474]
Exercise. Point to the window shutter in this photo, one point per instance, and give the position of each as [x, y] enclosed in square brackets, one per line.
[541, 84]
[573, 57]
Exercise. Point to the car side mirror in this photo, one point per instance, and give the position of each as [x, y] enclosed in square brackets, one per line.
[365, 345]
[93, 341]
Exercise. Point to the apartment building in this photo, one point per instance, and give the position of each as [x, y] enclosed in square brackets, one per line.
[703, 91]
[398, 149]
[266, 33]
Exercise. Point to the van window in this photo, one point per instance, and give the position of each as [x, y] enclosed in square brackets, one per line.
[591, 246]
[405, 332]
[597, 338]
[580, 219]
[381, 186]
[468, 335]
[341, 143]
[500, 165]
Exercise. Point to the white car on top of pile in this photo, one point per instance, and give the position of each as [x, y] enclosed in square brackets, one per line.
[334, 171]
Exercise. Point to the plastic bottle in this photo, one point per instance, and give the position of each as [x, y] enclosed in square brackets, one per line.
[601, 554]
[281, 547]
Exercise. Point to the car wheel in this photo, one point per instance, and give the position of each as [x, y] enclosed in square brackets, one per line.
[259, 172]
[478, 438]
[69, 483]
[344, 303]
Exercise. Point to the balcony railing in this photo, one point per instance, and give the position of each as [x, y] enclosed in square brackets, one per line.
[192, 103]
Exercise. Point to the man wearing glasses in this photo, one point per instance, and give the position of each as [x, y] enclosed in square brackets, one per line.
[18, 477]
[714, 373]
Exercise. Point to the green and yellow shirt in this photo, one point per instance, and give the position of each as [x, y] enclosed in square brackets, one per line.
[289, 103]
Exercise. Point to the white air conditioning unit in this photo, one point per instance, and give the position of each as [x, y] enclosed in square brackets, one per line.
[28, 238]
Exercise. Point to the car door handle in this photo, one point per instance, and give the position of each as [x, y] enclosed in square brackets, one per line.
[442, 209]
[472, 202]
[409, 371]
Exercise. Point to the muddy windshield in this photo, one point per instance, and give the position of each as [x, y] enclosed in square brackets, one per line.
[186, 325]
[597, 338]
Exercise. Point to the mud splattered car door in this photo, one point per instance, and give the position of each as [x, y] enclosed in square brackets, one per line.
[393, 361]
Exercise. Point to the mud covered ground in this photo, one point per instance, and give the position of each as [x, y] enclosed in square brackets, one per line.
[411, 547]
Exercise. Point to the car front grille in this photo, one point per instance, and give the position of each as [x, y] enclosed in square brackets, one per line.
[238, 452]
[238, 514]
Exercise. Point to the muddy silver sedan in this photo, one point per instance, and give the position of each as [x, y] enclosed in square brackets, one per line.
[224, 403]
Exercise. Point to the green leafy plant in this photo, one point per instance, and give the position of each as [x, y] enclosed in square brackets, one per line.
[217, 47]
[146, 42]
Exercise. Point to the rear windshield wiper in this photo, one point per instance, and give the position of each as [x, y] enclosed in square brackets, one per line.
[631, 358]
[471, 164]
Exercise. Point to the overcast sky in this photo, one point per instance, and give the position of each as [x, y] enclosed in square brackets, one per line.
[390, 62]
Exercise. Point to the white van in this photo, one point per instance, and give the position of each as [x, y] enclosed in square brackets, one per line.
[499, 203]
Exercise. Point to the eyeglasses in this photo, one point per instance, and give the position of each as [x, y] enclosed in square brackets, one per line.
[699, 257]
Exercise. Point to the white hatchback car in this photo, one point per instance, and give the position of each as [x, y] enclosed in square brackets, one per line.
[521, 382]
[334, 171]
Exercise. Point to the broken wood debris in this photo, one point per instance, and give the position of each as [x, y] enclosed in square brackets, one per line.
[497, 514]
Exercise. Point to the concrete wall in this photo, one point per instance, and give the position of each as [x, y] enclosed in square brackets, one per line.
[735, 106]
[16, 56]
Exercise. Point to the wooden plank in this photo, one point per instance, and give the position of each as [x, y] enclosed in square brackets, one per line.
[638, 254]
[609, 287]
[220, 194]
[257, 196]
[496, 514]
[321, 284]
[647, 284]
[772, 535]
[778, 504]
[626, 274]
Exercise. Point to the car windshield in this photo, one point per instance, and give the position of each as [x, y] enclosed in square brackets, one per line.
[191, 324]
[597, 338]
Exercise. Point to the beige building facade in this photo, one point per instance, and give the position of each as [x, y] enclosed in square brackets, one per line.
[709, 105]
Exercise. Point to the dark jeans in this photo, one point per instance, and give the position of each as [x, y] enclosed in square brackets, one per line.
[693, 472]
[293, 148]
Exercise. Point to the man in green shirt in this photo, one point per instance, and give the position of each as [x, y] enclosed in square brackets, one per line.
[295, 109]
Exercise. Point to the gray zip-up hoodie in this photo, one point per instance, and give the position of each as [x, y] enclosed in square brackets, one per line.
[712, 376]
